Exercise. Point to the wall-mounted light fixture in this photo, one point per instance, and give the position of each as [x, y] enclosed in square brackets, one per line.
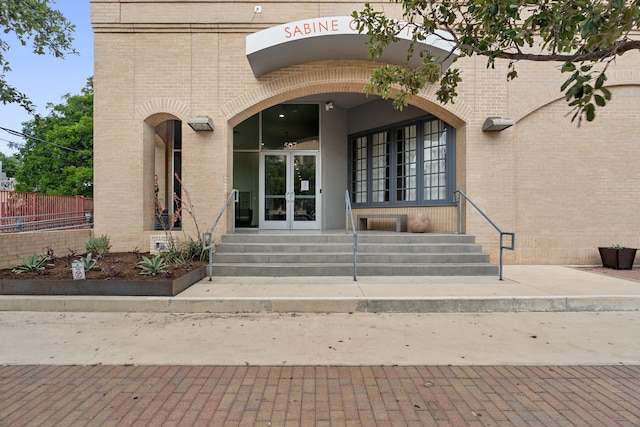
[496, 124]
[201, 123]
[328, 106]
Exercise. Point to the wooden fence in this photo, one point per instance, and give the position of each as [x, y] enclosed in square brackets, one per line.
[33, 211]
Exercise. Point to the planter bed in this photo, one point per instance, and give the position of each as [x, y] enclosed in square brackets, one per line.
[111, 287]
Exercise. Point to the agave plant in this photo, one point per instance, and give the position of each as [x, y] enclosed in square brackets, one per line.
[88, 262]
[153, 266]
[33, 263]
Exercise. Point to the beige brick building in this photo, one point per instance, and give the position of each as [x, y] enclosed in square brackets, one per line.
[282, 83]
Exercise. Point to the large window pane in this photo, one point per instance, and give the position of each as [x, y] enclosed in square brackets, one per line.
[434, 168]
[380, 169]
[359, 170]
[275, 187]
[304, 187]
[246, 136]
[245, 179]
[406, 145]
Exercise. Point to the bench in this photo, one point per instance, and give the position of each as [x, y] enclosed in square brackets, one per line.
[401, 220]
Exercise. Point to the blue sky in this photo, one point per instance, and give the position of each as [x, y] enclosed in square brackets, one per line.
[46, 79]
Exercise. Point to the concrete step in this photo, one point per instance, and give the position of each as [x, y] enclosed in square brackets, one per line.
[346, 269]
[364, 237]
[419, 248]
[347, 257]
[331, 254]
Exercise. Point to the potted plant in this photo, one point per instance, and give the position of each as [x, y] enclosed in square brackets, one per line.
[617, 257]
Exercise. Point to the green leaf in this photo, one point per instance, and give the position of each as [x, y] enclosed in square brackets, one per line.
[590, 111]
[568, 82]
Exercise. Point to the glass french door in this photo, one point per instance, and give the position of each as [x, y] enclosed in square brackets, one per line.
[289, 190]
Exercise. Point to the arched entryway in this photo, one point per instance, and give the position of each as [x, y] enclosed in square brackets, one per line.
[162, 171]
[387, 159]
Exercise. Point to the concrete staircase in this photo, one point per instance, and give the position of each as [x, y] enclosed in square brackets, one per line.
[331, 254]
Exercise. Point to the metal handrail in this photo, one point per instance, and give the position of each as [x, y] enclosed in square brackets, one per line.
[349, 215]
[46, 222]
[207, 236]
[502, 233]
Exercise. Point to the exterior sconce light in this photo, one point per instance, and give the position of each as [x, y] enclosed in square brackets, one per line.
[201, 123]
[497, 124]
[328, 106]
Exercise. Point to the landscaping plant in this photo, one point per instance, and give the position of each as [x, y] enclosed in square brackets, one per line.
[189, 249]
[34, 263]
[88, 262]
[99, 245]
[153, 266]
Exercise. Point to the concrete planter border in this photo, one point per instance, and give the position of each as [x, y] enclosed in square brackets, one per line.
[160, 287]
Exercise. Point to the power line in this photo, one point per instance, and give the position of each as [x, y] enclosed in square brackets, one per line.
[22, 135]
[12, 143]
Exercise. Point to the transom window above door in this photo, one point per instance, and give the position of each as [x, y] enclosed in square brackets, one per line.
[281, 127]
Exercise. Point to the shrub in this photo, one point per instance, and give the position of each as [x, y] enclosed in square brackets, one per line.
[173, 254]
[188, 250]
[99, 245]
[193, 250]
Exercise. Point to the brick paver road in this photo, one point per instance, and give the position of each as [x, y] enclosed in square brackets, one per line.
[320, 395]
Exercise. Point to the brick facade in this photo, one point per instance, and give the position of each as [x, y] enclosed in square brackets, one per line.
[564, 190]
[14, 247]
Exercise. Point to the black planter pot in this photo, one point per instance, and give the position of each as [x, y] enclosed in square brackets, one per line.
[618, 259]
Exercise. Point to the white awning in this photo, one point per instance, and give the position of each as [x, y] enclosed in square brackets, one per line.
[330, 38]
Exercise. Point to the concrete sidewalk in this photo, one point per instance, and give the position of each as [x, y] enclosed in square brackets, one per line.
[524, 289]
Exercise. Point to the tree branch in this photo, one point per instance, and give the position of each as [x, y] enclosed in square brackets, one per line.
[595, 56]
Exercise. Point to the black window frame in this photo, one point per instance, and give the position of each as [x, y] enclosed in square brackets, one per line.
[393, 131]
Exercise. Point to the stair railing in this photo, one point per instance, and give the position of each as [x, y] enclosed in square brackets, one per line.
[349, 219]
[460, 194]
[207, 237]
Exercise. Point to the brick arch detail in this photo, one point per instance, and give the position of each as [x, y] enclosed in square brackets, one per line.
[322, 79]
[158, 110]
[551, 94]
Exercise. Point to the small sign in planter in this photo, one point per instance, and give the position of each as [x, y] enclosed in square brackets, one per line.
[77, 270]
[618, 258]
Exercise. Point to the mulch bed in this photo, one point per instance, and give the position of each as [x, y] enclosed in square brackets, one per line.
[112, 266]
[115, 274]
[633, 274]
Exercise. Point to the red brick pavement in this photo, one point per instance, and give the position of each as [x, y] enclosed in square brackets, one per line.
[320, 396]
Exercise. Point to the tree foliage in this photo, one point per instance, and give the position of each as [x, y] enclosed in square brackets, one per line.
[10, 164]
[35, 23]
[584, 36]
[57, 157]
